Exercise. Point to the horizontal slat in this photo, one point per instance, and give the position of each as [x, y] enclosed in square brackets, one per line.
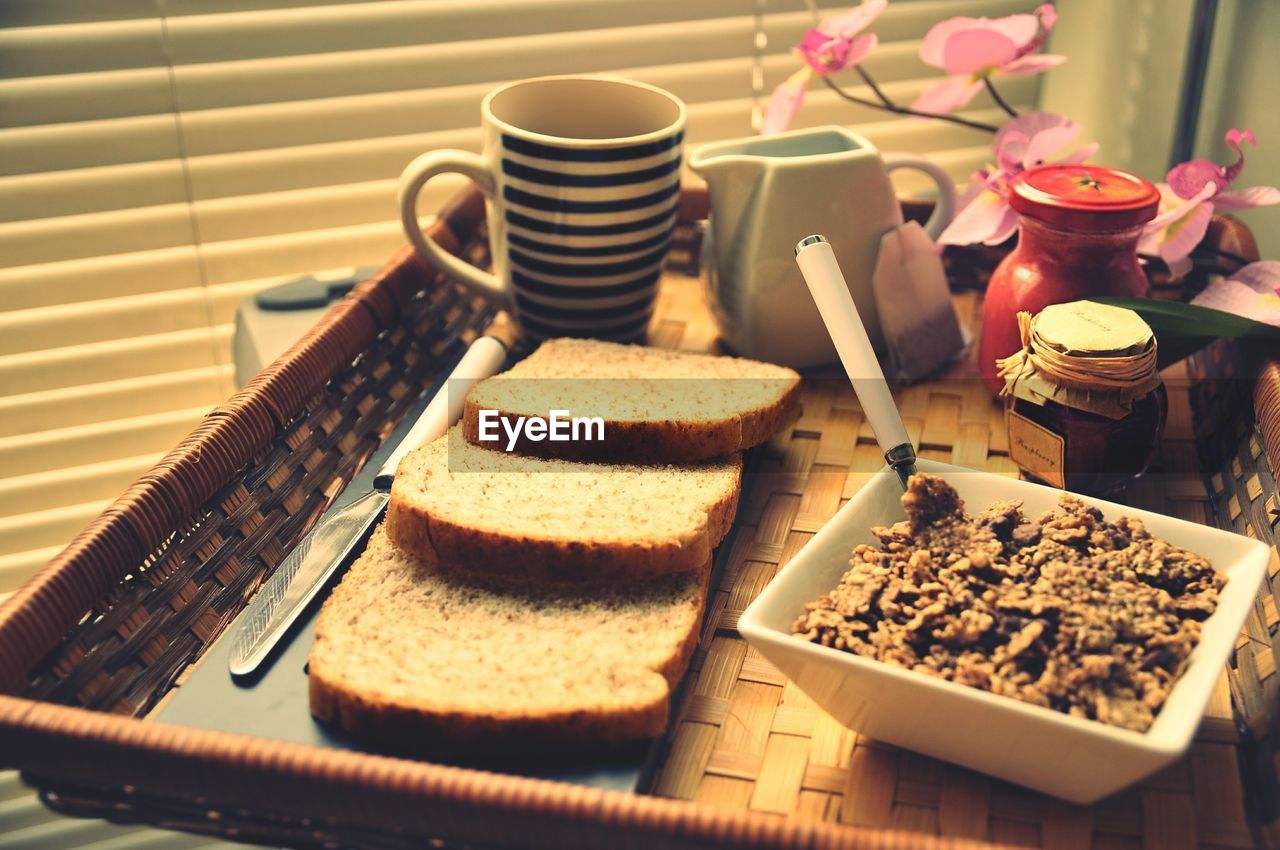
[41, 529]
[113, 837]
[298, 253]
[99, 320]
[19, 811]
[88, 190]
[285, 169]
[30, 413]
[16, 568]
[11, 785]
[170, 226]
[320, 208]
[115, 360]
[100, 234]
[90, 278]
[34, 13]
[58, 487]
[108, 319]
[37, 241]
[85, 144]
[25, 101]
[83, 47]
[58, 834]
[81, 444]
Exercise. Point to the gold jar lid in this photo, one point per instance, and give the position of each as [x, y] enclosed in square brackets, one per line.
[1084, 355]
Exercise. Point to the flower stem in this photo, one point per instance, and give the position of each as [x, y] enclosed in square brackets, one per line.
[871, 84]
[1000, 101]
[883, 102]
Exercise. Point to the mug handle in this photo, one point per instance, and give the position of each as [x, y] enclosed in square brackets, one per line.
[945, 209]
[414, 177]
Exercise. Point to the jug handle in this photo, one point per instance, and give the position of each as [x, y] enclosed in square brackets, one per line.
[945, 209]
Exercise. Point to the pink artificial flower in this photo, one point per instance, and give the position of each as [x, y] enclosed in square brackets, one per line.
[1252, 292]
[1026, 141]
[973, 49]
[1193, 191]
[836, 44]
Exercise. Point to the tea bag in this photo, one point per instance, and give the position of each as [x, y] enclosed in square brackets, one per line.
[920, 327]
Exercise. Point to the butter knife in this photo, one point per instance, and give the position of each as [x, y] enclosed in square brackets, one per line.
[322, 552]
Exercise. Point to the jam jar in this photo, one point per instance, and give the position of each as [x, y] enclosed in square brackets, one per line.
[1088, 404]
[1078, 234]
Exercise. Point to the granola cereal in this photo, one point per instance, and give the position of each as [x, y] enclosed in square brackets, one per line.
[1069, 611]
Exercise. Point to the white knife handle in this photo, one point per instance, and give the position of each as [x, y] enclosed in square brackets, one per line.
[485, 357]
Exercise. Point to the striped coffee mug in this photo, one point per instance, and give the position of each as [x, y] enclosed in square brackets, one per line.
[582, 177]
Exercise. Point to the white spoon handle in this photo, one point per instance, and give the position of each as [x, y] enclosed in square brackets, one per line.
[831, 293]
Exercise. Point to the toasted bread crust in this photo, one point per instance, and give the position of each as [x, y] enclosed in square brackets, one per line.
[439, 724]
[656, 441]
[412, 527]
[419, 729]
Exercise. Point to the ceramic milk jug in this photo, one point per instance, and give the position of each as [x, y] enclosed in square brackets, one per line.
[769, 192]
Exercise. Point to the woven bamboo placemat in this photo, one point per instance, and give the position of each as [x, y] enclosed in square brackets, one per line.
[746, 739]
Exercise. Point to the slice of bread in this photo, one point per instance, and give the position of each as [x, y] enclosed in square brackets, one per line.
[423, 659]
[459, 504]
[657, 406]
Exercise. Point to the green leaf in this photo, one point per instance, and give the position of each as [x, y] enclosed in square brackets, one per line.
[1183, 329]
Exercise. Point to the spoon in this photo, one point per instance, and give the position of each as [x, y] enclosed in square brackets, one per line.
[831, 293]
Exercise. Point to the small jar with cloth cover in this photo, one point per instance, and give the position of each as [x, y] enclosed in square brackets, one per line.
[1088, 406]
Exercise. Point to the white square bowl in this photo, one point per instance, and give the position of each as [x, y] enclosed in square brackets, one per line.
[1073, 758]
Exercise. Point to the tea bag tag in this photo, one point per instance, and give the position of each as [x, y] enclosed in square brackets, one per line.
[920, 327]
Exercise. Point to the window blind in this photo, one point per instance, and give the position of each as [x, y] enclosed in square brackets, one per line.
[161, 160]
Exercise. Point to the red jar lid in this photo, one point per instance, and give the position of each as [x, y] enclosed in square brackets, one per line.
[1084, 197]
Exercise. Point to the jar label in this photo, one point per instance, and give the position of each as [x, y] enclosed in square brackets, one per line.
[1036, 449]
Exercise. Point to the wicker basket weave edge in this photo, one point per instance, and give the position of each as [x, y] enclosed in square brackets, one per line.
[73, 747]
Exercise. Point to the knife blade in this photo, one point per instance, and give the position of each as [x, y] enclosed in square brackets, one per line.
[325, 549]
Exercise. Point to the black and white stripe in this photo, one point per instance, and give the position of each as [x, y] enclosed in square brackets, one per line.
[586, 231]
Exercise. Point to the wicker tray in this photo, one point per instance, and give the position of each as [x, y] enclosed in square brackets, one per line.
[96, 640]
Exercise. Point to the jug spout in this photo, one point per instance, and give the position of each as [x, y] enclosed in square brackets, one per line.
[733, 177]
